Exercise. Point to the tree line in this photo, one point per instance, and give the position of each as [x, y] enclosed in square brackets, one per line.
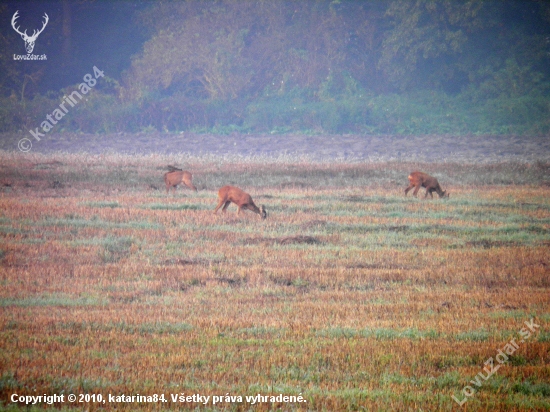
[322, 66]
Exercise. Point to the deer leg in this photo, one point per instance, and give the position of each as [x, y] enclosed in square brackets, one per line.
[220, 203]
[189, 184]
[408, 188]
[416, 189]
[226, 205]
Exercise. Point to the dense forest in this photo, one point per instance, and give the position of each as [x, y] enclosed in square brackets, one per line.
[270, 66]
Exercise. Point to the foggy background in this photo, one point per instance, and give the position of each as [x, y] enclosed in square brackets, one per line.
[236, 76]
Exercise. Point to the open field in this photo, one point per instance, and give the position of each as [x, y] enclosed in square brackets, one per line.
[319, 147]
[349, 294]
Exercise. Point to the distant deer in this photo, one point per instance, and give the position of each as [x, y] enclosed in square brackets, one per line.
[228, 194]
[419, 179]
[177, 176]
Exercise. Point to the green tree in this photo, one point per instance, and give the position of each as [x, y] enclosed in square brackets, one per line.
[233, 48]
[425, 36]
[200, 49]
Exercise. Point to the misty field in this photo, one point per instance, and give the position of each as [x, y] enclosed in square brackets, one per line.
[349, 296]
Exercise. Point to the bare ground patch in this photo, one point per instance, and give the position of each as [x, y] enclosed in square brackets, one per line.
[487, 148]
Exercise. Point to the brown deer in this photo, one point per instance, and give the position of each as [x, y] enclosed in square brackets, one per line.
[228, 194]
[419, 179]
[177, 176]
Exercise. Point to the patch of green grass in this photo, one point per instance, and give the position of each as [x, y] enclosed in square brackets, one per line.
[115, 248]
[411, 333]
[378, 333]
[532, 389]
[479, 335]
[181, 206]
[54, 300]
[161, 328]
[543, 336]
[338, 332]
[111, 205]
[528, 402]
[482, 205]
[261, 331]
[9, 230]
[400, 236]
[95, 222]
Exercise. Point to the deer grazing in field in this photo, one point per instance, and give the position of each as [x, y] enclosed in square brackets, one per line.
[228, 194]
[419, 179]
[177, 176]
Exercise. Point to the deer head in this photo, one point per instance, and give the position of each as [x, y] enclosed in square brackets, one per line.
[29, 40]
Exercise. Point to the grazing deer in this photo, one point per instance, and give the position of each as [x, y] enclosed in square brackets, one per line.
[419, 179]
[228, 194]
[177, 176]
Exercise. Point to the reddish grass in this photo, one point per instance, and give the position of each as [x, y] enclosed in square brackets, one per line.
[349, 294]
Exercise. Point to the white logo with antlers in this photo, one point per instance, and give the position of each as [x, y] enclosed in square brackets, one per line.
[29, 40]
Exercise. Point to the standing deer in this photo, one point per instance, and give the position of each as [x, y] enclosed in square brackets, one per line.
[228, 194]
[177, 176]
[419, 179]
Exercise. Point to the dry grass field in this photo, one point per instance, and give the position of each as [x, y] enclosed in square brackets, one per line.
[349, 294]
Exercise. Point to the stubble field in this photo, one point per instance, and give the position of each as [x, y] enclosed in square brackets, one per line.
[349, 296]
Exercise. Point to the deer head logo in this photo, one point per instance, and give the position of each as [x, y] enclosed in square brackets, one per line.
[29, 40]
